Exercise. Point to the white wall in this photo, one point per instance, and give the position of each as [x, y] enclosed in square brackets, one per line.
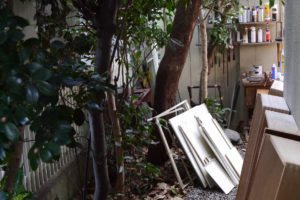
[292, 57]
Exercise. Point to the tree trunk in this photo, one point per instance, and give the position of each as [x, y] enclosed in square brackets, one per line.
[14, 163]
[106, 26]
[116, 129]
[171, 66]
[204, 73]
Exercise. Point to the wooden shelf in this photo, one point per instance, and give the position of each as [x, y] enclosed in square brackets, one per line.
[258, 23]
[256, 44]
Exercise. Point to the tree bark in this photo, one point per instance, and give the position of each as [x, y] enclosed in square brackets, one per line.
[14, 163]
[106, 25]
[204, 73]
[116, 129]
[171, 66]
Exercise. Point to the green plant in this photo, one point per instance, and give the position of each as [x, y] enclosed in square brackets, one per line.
[217, 111]
[32, 81]
[18, 192]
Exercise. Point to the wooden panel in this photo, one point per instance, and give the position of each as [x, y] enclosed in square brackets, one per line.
[281, 122]
[262, 91]
[278, 171]
[277, 88]
[263, 102]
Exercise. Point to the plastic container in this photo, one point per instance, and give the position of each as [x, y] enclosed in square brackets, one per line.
[268, 35]
[261, 14]
[253, 34]
[245, 36]
[274, 71]
[259, 35]
[267, 17]
[241, 12]
[245, 15]
[254, 15]
[274, 13]
[249, 15]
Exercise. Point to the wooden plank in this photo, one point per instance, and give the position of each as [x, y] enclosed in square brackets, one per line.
[281, 122]
[263, 102]
[278, 172]
[262, 91]
[219, 143]
[216, 171]
[277, 88]
[183, 119]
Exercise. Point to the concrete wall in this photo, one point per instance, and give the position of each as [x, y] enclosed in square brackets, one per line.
[292, 57]
[27, 11]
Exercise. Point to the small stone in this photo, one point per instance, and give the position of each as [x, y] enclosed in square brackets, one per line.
[233, 136]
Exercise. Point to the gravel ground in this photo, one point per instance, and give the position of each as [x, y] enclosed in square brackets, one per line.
[199, 193]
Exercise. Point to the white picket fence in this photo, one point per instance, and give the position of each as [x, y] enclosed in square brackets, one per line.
[34, 180]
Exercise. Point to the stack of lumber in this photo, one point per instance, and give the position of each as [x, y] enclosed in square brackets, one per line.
[214, 159]
[263, 102]
[276, 88]
[277, 175]
[272, 166]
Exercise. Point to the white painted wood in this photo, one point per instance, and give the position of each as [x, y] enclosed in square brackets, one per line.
[219, 143]
[235, 160]
[182, 120]
[216, 171]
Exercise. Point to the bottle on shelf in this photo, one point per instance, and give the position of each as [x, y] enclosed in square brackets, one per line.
[267, 12]
[245, 15]
[253, 34]
[249, 13]
[274, 71]
[259, 35]
[268, 35]
[274, 13]
[241, 15]
[245, 36]
[254, 14]
[260, 14]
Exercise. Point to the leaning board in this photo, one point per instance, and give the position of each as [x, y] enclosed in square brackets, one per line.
[188, 123]
[263, 102]
[278, 172]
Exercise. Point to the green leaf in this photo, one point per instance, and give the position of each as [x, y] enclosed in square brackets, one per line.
[45, 88]
[18, 184]
[32, 94]
[138, 54]
[16, 35]
[46, 155]
[33, 159]
[2, 154]
[93, 107]
[40, 56]
[62, 133]
[41, 74]
[14, 84]
[53, 148]
[33, 66]
[57, 44]
[3, 196]
[3, 37]
[272, 3]
[17, 21]
[78, 117]
[32, 42]
[11, 131]
[25, 54]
